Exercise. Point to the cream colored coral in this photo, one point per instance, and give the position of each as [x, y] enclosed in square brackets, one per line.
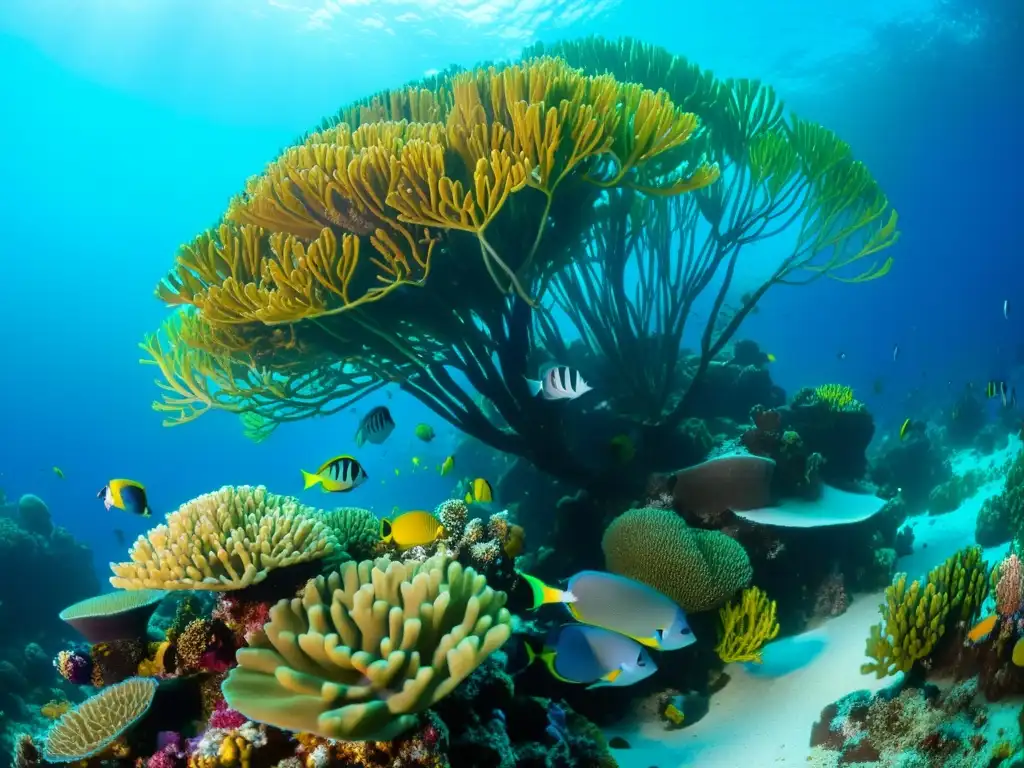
[364, 649]
[95, 724]
[225, 540]
[357, 530]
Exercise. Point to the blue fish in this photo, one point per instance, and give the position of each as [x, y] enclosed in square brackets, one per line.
[579, 653]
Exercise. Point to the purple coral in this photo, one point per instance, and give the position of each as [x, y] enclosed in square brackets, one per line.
[226, 718]
[74, 666]
[171, 752]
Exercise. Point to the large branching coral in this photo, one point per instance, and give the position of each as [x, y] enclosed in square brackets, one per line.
[364, 649]
[430, 235]
[779, 176]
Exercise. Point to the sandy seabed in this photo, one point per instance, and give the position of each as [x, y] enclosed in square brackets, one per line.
[763, 717]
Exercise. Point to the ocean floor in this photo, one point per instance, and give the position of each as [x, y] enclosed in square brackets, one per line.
[763, 717]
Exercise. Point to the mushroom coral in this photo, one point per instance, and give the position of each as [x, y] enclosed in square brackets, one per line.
[226, 540]
[363, 650]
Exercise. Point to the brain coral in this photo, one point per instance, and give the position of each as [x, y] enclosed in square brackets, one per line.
[698, 569]
[88, 729]
[225, 540]
[357, 530]
[366, 648]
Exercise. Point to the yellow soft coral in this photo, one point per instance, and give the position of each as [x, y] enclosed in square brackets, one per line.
[747, 626]
[838, 396]
[916, 617]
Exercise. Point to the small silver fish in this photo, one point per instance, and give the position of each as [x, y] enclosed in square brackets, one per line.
[559, 382]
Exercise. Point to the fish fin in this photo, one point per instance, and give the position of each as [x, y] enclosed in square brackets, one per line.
[469, 498]
[548, 657]
[607, 680]
[386, 534]
[360, 438]
[534, 386]
[531, 655]
[542, 593]
[309, 480]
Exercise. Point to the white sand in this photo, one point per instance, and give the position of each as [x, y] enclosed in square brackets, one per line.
[763, 717]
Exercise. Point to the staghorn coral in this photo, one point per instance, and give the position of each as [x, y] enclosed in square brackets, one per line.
[838, 397]
[93, 726]
[1008, 583]
[114, 615]
[915, 618]
[367, 647]
[226, 540]
[698, 569]
[747, 626]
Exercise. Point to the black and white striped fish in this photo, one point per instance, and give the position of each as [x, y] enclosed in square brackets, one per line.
[375, 427]
[559, 382]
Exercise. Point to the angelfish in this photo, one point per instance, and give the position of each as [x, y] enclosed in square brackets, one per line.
[621, 605]
[127, 495]
[559, 382]
[375, 427]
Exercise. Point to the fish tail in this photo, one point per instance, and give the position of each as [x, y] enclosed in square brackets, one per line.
[542, 593]
[531, 655]
[534, 386]
[309, 480]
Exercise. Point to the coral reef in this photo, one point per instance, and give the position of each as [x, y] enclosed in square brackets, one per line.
[833, 423]
[367, 647]
[698, 569]
[114, 615]
[911, 468]
[356, 531]
[235, 538]
[747, 626]
[949, 495]
[1001, 517]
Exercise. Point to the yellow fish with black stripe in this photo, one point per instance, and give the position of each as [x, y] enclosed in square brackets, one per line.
[127, 495]
[412, 529]
[480, 491]
[338, 475]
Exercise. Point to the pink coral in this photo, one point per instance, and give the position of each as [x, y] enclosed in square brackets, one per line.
[1010, 586]
[225, 717]
[170, 754]
[245, 618]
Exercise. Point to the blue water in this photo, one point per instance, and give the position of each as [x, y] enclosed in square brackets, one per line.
[128, 124]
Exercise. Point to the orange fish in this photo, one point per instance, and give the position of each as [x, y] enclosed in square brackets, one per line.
[982, 629]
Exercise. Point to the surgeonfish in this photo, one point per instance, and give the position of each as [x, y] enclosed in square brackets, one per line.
[620, 604]
[338, 475]
[579, 653]
[375, 427]
[447, 465]
[425, 432]
[126, 495]
[559, 382]
[480, 491]
[412, 529]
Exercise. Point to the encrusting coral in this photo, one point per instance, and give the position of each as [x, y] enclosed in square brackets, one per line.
[367, 647]
[699, 569]
[747, 626]
[226, 540]
[96, 724]
[917, 616]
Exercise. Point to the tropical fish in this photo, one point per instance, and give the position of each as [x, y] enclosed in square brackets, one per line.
[840, 355]
[58, 472]
[1006, 309]
[909, 425]
[375, 427]
[578, 653]
[127, 495]
[425, 432]
[983, 628]
[412, 529]
[558, 382]
[515, 542]
[622, 449]
[683, 709]
[338, 475]
[895, 352]
[621, 605]
[996, 389]
[415, 461]
[447, 465]
[480, 491]
[771, 357]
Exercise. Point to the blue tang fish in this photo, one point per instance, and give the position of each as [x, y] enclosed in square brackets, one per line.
[579, 653]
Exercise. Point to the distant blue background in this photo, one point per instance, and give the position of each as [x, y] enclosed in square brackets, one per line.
[128, 124]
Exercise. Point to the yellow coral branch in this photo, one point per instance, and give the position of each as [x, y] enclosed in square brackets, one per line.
[747, 626]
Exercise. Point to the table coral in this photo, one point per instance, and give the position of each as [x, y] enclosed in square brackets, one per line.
[367, 647]
[226, 540]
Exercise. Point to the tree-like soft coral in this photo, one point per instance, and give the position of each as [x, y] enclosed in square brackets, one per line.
[698, 569]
